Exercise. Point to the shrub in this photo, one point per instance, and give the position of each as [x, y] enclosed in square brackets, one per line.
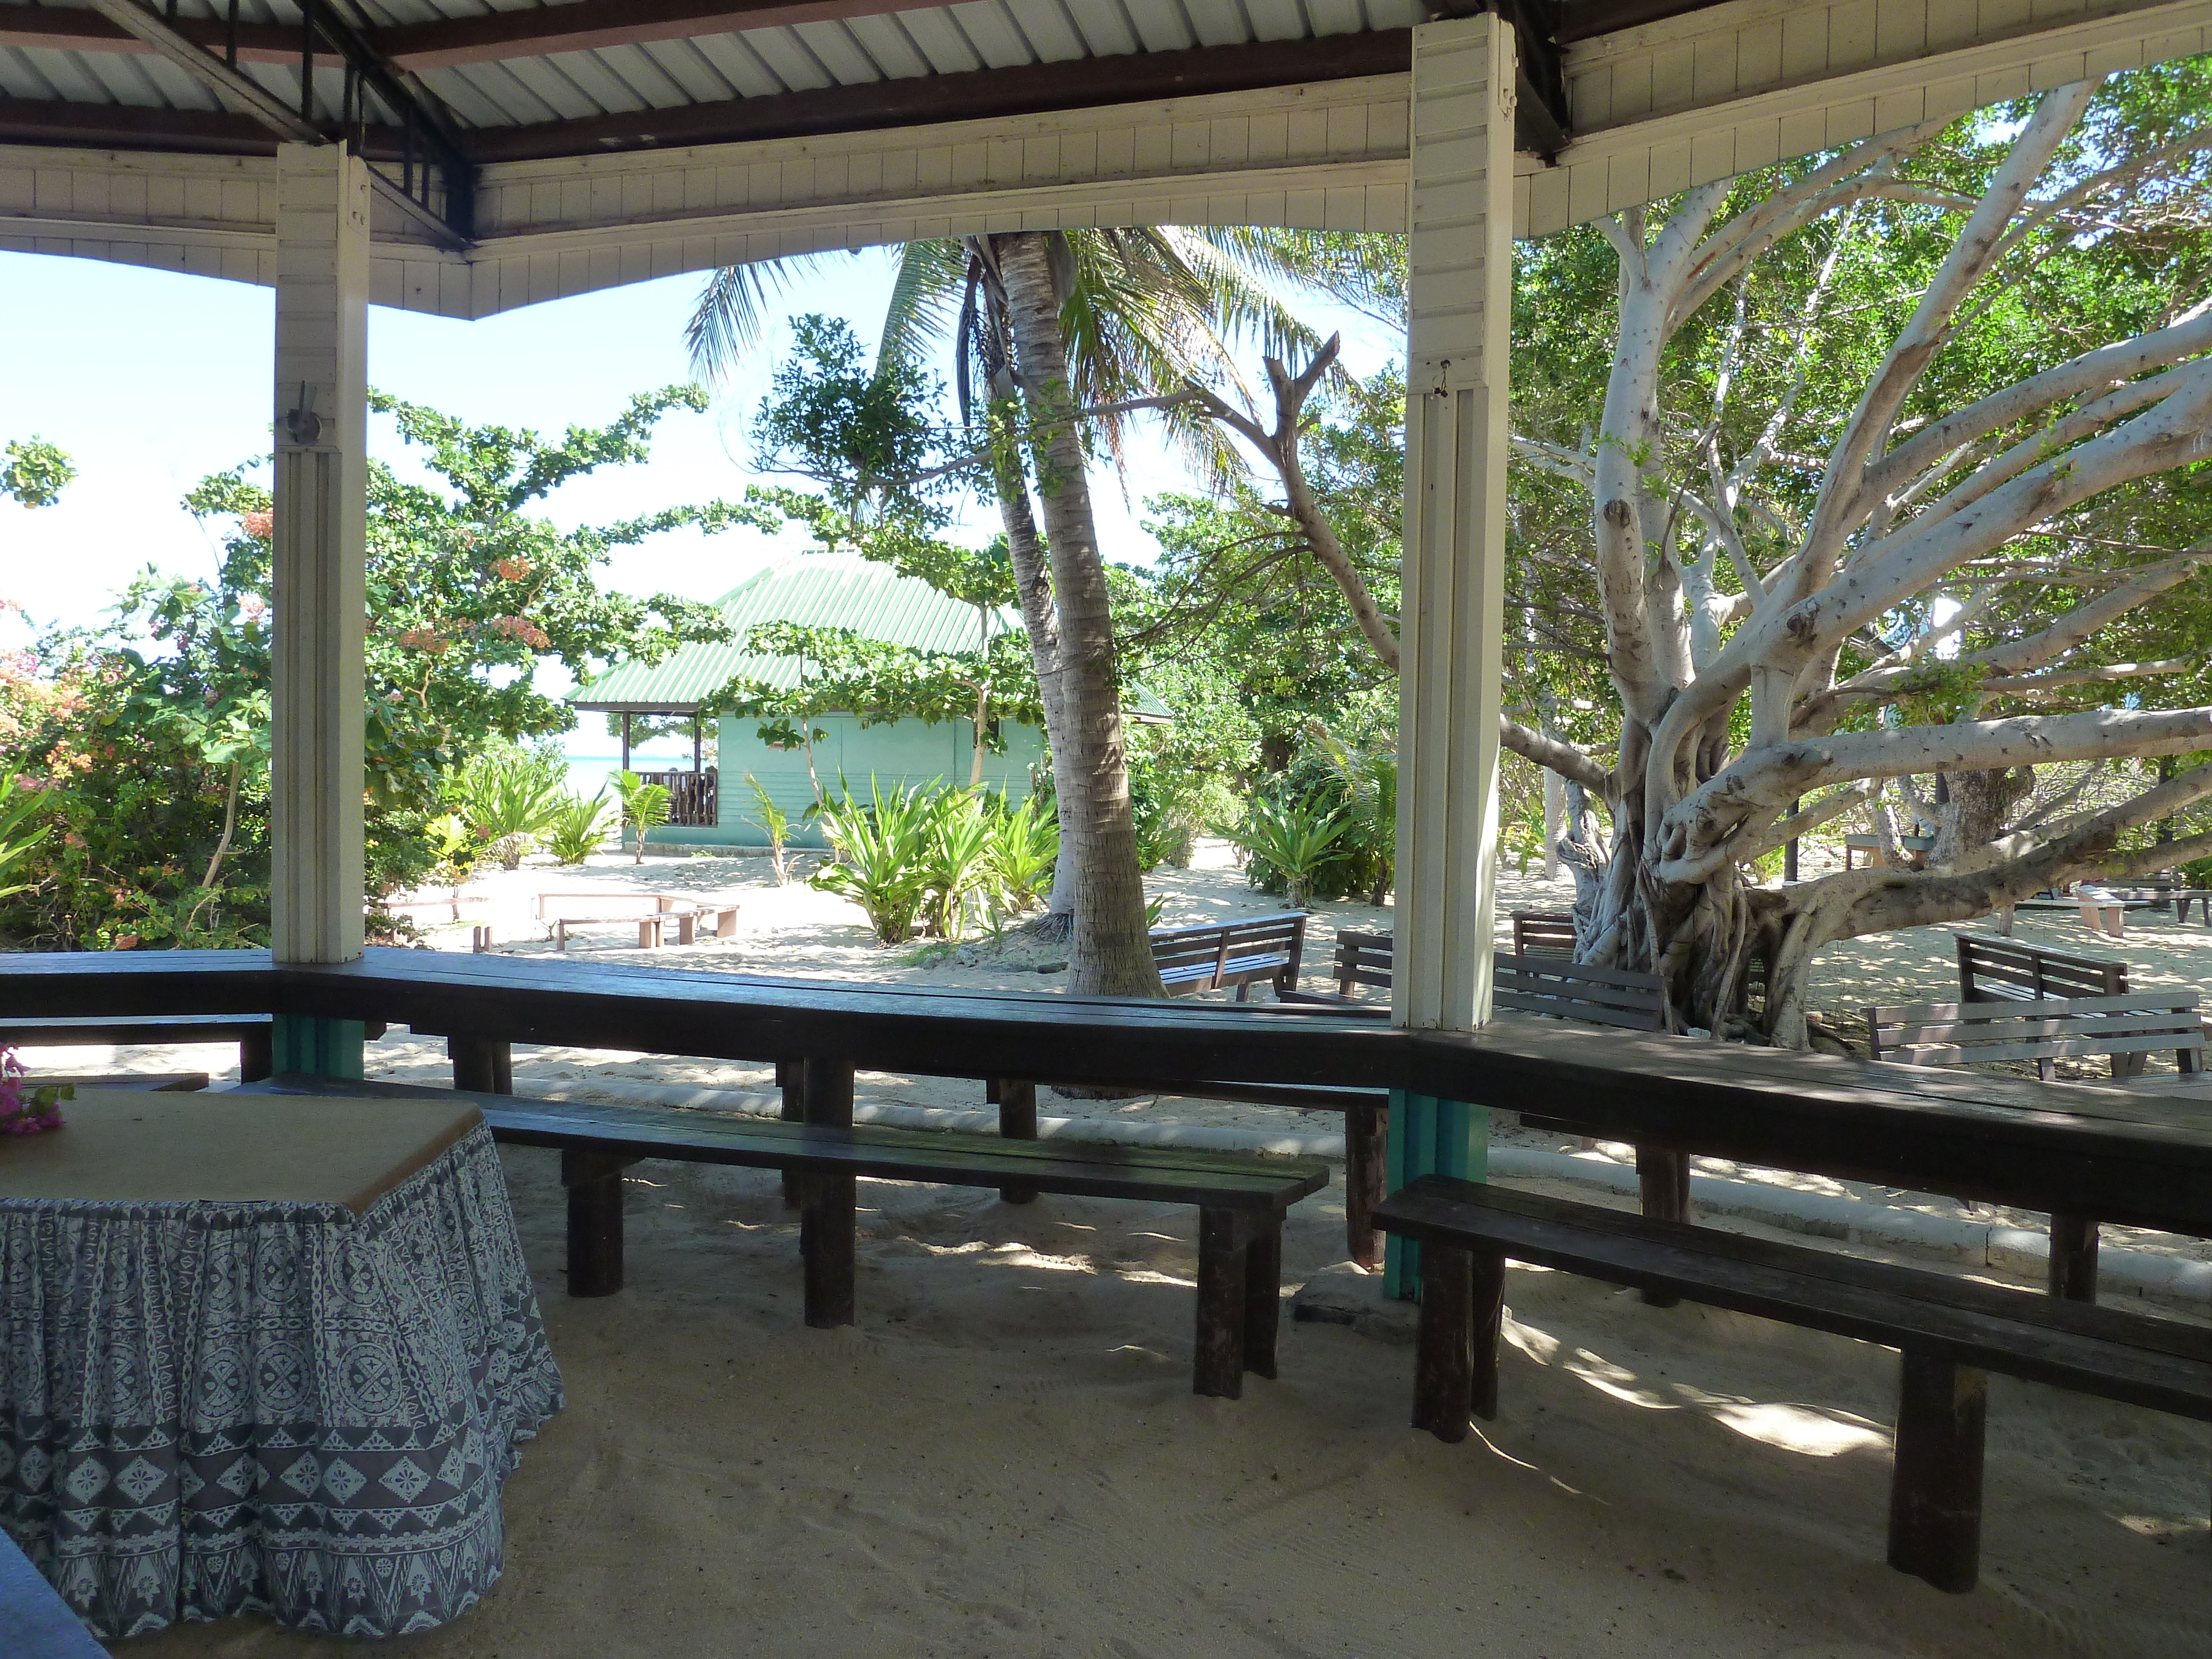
[880, 847]
[955, 860]
[1024, 853]
[509, 797]
[644, 805]
[578, 827]
[1293, 838]
[774, 823]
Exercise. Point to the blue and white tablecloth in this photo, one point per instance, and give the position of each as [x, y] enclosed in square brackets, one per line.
[216, 1408]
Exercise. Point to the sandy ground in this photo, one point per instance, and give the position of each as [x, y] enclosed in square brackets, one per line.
[1005, 1459]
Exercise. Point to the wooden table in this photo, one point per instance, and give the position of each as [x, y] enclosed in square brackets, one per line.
[266, 1355]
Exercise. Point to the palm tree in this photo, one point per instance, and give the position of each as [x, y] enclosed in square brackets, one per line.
[1068, 333]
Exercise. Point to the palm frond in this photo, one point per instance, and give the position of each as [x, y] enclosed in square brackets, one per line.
[732, 311]
[925, 296]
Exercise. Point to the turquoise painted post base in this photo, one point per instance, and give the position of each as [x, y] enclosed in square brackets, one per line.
[325, 1048]
[1429, 1136]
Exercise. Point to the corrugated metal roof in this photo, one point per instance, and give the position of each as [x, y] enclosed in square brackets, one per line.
[715, 68]
[814, 590]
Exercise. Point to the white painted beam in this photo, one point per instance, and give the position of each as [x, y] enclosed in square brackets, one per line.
[1450, 689]
[320, 611]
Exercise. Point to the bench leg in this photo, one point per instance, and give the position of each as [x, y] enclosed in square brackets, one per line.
[1017, 1120]
[1664, 1177]
[825, 1248]
[1263, 1297]
[1489, 1322]
[2074, 1258]
[1366, 1169]
[789, 1079]
[1936, 1494]
[481, 1064]
[595, 1221]
[1219, 1370]
[256, 1055]
[1444, 1363]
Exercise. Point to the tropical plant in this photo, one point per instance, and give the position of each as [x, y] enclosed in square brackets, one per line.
[1370, 775]
[880, 845]
[956, 859]
[1292, 838]
[510, 799]
[774, 823]
[20, 832]
[645, 806]
[577, 828]
[1024, 846]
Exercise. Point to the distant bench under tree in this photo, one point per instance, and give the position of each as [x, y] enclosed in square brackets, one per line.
[1951, 1333]
[1215, 956]
[2045, 1030]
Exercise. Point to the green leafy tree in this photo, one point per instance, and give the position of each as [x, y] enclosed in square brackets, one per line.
[155, 729]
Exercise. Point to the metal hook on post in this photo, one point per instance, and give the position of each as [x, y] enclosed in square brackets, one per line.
[302, 422]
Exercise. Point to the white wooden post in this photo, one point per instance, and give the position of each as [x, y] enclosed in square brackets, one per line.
[1460, 251]
[321, 542]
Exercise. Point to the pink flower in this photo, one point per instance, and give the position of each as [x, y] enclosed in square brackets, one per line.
[514, 569]
[521, 628]
[261, 524]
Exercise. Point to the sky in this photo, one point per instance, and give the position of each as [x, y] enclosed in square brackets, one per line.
[151, 379]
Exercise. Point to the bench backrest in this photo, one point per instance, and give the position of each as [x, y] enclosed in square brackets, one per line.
[1578, 990]
[1991, 969]
[1217, 954]
[1971, 1033]
[1542, 930]
[1362, 959]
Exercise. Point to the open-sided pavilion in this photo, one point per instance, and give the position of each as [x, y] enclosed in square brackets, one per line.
[445, 156]
[434, 156]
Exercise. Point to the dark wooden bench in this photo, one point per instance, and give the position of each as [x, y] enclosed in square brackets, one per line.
[251, 1032]
[1240, 1199]
[1253, 951]
[2045, 1030]
[1577, 990]
[1951, 1331]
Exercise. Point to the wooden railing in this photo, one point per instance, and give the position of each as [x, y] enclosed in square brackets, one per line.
[2135, 1159]
[694, 798]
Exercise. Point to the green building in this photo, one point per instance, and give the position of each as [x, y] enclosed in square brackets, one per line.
[712, 805]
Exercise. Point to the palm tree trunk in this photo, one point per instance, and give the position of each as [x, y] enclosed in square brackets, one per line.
[1033, 584]
[1112, 954]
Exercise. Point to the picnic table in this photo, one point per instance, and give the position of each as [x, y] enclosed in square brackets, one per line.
[264, 1356]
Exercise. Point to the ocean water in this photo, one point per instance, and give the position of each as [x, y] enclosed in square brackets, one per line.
[589, 773]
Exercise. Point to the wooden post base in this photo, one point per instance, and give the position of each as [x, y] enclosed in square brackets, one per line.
[1240, 1258]
[2074, 1258]
[1935, 1493]
[482, 1065]
[1017, 1120]
[595, 1221]
[790, 1076]
[257, 1056]
[1444, 1363]
[1664, 1177]
[1366, 1174]
[826, 1247]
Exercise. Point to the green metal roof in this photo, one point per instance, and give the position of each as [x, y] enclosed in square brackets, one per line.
[814, 590]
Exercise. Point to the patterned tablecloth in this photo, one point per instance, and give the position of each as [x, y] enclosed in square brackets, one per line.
[216, 1408]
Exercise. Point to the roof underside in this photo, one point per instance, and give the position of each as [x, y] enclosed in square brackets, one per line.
[583, 76]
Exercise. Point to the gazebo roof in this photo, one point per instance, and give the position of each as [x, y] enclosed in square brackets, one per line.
[814, 590]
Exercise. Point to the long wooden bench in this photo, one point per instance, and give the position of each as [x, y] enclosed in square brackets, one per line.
[2046, 1030]
[252, 1033]
[1215, 956]
[1950, 1332]
[1241, 1199]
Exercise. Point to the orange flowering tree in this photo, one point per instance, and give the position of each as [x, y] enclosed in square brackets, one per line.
[150, 734]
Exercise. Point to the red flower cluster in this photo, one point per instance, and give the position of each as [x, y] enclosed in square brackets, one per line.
[261, 524]
[514, 569]
[521, 628]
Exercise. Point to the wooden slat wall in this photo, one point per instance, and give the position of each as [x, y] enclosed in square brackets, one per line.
[1659, 108]
[1722, 91]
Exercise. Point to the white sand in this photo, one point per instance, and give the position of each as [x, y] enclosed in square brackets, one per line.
[1005, 1459]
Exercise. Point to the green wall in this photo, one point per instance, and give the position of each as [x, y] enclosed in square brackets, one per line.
[898, 755]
